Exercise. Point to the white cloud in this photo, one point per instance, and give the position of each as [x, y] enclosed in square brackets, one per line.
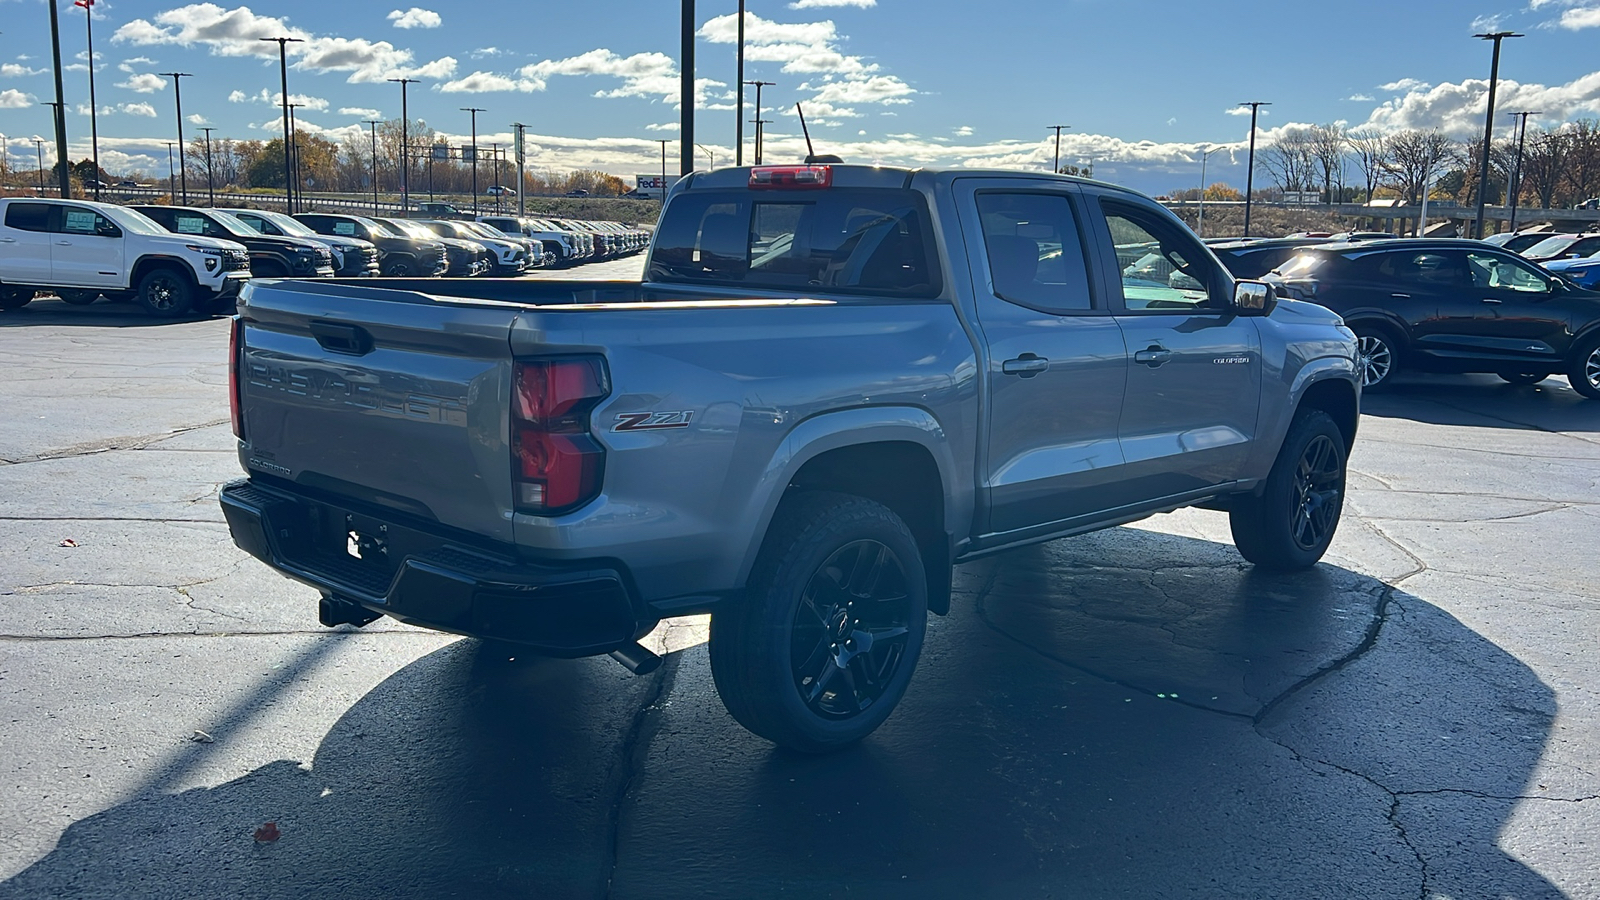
[664, 126]
[1361, 98]
[1403, 85]
[238, 97]
[1487, 24]
[964, 131]
[194, 118]
[416, 17]
[803, 47]
[815, 4]
[361, 111]
[128, 65]
[144, 83]
[137, 109]
[1457, 109]
[16, 70]
[486, 52]
[11, 98]
[1172, 121]
[1237, 111]
[238, 32]
[488, 82]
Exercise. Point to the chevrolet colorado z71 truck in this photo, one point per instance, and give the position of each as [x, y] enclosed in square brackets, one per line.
[833, 384]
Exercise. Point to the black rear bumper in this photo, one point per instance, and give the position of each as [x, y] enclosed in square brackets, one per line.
[419, 575]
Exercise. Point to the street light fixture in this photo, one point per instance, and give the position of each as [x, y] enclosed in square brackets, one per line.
[738, 115]
[177, 95]
[663, 143]
[38, 146]
[711, 158]
[94, 112]
[1488, 122]
[283, 75]
[1250, 169]
[292, 151]
[60, 104]
[1516, 168]
[1055, 169]
[374, 124]
[211, 184]
[405, 148]
[172, 174]
[474, 110]
[1200, 220]
[757, 120]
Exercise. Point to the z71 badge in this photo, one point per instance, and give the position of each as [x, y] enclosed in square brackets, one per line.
[650, 421]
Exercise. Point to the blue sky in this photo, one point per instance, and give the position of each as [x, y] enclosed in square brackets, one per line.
[1143, 83]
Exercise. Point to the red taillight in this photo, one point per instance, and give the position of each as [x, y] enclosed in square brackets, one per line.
[791, 178]
[556, 463]
[235, 385]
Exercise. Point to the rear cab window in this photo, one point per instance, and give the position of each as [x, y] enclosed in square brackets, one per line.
[872, 241]
[28, 216]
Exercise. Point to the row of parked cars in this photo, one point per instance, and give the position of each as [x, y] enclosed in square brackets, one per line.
[179, 260]
[1438, 304]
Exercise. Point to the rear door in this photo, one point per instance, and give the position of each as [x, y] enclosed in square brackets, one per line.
[1195, 367]
[1056, 362]
[86, 249]
[25, 243]
[381, 396]
[1515, 314]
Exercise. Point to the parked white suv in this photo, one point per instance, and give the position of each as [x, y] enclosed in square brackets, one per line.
[80, 250]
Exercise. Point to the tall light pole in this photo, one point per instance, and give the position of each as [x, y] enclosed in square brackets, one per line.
[1488, 122]
[522, 161]
[94, 112]
[405, 148]
[757, 120]
[663, 144]
[38, 146]
[172, 174]
[1516, 168]
[374, 124]
[293, 150]
[1250, 169]
[686, 91]
[177, 96]
[1056, 168]
[61, 162]
[283, 76]
[60, 104]
[211, 184]
[711, 158]
[474, 110]
[494, 151]
[1200, 220]
[738, 116]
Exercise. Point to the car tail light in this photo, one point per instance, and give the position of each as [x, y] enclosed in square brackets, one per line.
[791, 178]
[556, 464]
[235, 349]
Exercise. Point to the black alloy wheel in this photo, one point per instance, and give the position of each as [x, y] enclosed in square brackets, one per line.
[166, 292]
[1318, 492]
[850, 630]
[78, 298]
[1291, 522]
[1523, 378]
[14, 298]
[1583, 369]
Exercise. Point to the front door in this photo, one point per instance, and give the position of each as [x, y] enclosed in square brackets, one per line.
[1517, 313]
[86, 249]
[1194, 366]
[1055, 363]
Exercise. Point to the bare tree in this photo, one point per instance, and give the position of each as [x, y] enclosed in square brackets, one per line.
[1582, 168]
[1544, 164]
[1288, 160]
[1371, 152]
[1325, 144]
[1415, 158]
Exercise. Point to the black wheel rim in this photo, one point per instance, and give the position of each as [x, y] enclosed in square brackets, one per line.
[1591, 369]
[163, 292]
[1318, 489]
[850, 630]
[1375, 359]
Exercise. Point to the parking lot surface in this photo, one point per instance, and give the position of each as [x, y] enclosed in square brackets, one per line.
[1135, 712]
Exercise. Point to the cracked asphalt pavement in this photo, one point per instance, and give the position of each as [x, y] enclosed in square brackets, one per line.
[1129, 713]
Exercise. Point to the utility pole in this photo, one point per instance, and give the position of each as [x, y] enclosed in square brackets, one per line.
[1200, 220]
[293, 150]
[711, 158]
[1488, 123]
[374, 124]
[405, 149]
[38, 146]
[61, 162]
[760, 133]
[94, 112]
[283, 76]
[60, 104]
[686, 90]
[1056, 169]
[177, 96]
[1250, 169]
[211, 184]
[1516, 168]
[663, 144]
[522, 161]
[172, 174]
[757, 120]
[738, 116]
[474, 110]
[494, 150]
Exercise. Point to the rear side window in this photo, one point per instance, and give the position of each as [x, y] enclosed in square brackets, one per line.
[28, 216]
[1424, 269]
[1035, 253]
[842, 241]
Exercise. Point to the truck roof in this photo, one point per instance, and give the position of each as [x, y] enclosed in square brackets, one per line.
[862, 176]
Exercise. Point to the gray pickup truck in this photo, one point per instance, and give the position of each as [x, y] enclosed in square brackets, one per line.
[834, 383]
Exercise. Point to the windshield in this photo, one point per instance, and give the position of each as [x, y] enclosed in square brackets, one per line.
[410, 229]
[485, 230]
[1499, 240]
[285, 224]
[1300, 265]
[1551, 246]
[136, 222]
[381, 229]
[233, 223]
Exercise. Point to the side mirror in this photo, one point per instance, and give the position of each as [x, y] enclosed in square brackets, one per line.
[1253, 298]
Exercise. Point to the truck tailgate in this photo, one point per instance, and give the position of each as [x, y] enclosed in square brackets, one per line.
[381, 396]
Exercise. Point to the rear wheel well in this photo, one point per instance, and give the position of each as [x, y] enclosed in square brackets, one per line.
[902, 476]
[1337, 398]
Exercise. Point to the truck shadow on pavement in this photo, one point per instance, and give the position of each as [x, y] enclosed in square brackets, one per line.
[1126, 713]
[101, 314]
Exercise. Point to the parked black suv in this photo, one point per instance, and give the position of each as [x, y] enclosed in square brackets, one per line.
[271, 256]
[1451, 306]
[352, 257]
[398, 255]
[1254, 258]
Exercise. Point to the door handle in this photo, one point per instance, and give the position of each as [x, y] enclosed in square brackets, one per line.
[8, 240]
[351, 339]
[1402, 296]
[1490, 300]
[1027, 365]
[1153, 357]
[63, 243]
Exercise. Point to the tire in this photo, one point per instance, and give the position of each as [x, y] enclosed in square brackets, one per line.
[1523, 378]
[839, 578]
[1290, 525]
[166, 292]
[78, 298]
[1583, 369]
[1377, 357]
[14, 298]
[399, 268]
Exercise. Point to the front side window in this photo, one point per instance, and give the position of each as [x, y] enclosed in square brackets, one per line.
[1162, 269]
[1498, 272]
[1425, 269]
[190, 223]
[871, 241]
[77, 220]
[1034, 251]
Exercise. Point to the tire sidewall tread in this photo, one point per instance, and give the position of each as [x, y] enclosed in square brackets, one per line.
[1260, 524]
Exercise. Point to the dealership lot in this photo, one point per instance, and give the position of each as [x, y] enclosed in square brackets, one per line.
[1134, 712]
